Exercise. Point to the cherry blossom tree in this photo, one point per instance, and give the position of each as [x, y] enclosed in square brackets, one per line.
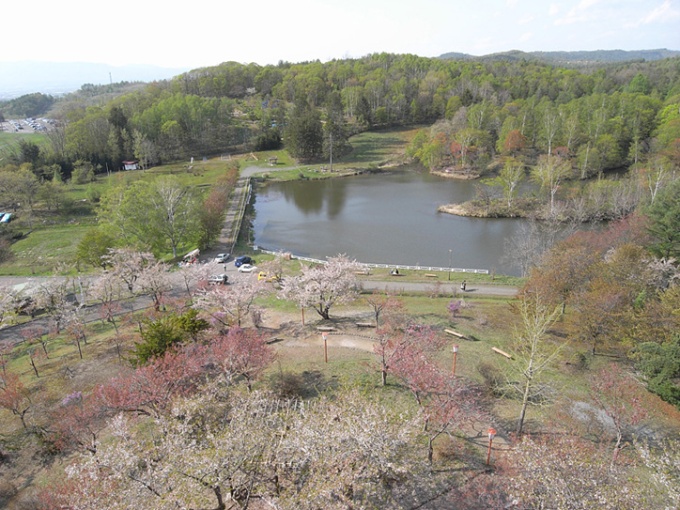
[107, 291]
[51, 295]
[228, 450]
[75, 327]
[565, 471]
[243, 353]
[323, 286]
[34, 355]
[14, 396]
[11, 301]
[192, 274]
[76, 423]
[127, 265]
[384, 303]
[618, 398]
[149, 390]
[390, 345]
[664, 462]
[445, 402]
[154, 280]
[228, 305]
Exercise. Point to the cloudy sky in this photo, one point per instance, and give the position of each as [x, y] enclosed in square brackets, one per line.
[207, 32]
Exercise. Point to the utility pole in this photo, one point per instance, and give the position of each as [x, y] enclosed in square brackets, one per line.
[450, 251]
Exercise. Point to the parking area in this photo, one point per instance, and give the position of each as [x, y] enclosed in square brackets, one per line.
[27, 125]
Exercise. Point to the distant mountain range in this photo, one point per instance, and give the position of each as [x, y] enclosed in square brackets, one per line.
[55, 78]
[575, 58]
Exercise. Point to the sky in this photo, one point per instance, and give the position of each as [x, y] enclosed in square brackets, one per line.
[205, 33]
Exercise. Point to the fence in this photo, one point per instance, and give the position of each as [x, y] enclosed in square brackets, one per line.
[387, 266]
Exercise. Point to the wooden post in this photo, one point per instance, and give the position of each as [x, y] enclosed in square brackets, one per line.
[455, 353]
[302, 311]
[325, 346]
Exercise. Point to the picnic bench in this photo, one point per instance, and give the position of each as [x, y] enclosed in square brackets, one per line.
[365, 325]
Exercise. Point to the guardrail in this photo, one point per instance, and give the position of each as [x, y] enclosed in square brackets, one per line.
[239, 213]
[385, 266]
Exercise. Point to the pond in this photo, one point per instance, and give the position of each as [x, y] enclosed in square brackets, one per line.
[388, 218]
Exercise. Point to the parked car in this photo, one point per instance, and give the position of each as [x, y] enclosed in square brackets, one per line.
[262, 276]
[243, 259]
[246, 268]
[222, 258]
[218, 279]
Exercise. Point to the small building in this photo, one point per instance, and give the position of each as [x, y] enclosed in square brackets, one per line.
[130, 165]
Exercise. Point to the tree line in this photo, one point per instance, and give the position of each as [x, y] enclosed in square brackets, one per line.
[603, 117]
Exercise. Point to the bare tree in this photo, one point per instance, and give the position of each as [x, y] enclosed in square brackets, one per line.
[534, 352]
[383, 303]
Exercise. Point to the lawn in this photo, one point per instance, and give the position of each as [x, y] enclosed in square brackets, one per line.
[44, 250]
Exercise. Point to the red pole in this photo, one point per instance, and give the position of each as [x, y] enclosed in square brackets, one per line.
[492, 434]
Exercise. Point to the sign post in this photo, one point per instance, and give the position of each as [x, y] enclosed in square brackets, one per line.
[492, 434]
[325, 346]
[455, 353]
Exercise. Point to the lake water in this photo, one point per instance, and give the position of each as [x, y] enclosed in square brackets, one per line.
[380, 218]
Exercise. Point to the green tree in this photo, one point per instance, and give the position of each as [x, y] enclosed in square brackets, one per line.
[83, 172]
[304, 133]
[158, 336]
[660, 363]
[664, 218]
[94, 245]
[161, 216]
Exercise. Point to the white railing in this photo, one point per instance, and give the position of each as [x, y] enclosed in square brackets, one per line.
[387, 266]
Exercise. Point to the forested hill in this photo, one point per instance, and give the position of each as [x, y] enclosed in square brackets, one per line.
[601, 117]
[571, 57]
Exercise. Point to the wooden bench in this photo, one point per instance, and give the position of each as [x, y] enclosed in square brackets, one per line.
[455, 333]
[325, 328]
[502, 353]
[431, 275]
[365, 325]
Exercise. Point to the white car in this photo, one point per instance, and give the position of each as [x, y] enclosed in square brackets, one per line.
[218, 279]
[222, 258]
[246, 268]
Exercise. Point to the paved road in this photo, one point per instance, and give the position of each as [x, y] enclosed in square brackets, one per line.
[449, 288]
